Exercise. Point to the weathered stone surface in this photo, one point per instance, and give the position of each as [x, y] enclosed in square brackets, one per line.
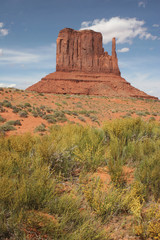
[100, 84]
[82, 51]
[82, 67]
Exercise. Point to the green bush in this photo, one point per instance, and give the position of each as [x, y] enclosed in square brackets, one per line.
[16, 109]
[148, 173]
[23, 114]
[6, 127]
[14, 122]
[7, 104]
[40, 128]
[34, 113]
[2, 119]
[27, 105]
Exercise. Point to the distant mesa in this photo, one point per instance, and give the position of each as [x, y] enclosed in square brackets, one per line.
[83, 67]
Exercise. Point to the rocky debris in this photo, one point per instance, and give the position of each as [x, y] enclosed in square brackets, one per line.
[83, 67]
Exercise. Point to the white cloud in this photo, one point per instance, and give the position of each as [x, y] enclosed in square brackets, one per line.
[3, 31]
[13, 57]
[123, 50]
[142, 4]
[124, 29]
[20, 81]
[27, 56]
[156, 25]
[7, 85]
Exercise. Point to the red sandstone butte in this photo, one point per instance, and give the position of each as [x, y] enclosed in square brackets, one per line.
[83, 67]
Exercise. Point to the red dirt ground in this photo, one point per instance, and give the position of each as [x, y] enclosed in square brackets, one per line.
[90, 110]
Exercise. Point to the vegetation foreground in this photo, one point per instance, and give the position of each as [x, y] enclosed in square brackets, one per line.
[73, 183]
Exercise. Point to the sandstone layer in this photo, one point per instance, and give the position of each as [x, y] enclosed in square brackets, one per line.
[83, 67]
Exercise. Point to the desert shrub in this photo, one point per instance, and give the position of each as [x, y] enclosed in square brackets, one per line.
[21, 106]
[72, 147]
[116, 172]
[16, 109]
[49, 110]
[58, 116]
[149, 227]
[58, 104]
[25, 185]
[50, 118]
[133, 199]
[141, 113]
[68, 112]
[7, 104]
[41, 94]
[90, 151]
[40, 128]
[74, 113]
[29, 109]
[14, 122]
[152, 119]
[1, 89]
[46, 225]
[23, 114]
[34, 113]
[93, 118]
[29, 194]
[77, 224]
[2, 109]
[126, 139]
[64, 102]
[42, 107]
[115, 200]
[27, 105]
[6, 127]
[60, 160]
[2, 119]
[81, 118]
[148, 173]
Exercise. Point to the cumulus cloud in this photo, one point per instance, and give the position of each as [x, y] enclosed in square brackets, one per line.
[142, 4]
[156, 25]
[1, 52]
[123, 50]
[7, 85]
[3, 31]
[124, 29]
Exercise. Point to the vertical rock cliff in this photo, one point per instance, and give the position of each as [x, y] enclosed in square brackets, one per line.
[82, 51]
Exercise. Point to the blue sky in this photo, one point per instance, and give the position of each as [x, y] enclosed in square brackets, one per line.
[29, 29]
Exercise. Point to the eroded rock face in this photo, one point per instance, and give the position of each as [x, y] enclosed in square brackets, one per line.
[82, 51]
